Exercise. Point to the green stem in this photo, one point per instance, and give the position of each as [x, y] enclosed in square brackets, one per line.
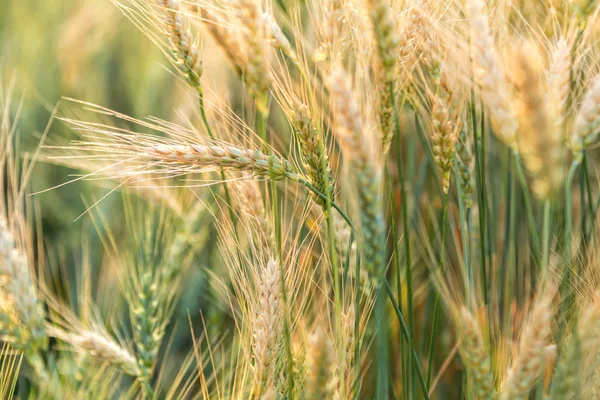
[408, 337]
[437, 299]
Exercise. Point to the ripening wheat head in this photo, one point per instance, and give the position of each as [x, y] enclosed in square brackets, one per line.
[490, 75]
[529, 355]
[540, 144]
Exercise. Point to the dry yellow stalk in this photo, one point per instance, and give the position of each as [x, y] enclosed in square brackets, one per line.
[490, 75]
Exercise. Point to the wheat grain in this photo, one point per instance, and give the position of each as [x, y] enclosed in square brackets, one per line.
[320, 382]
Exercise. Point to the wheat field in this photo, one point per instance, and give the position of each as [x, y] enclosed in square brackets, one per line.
[317, 199]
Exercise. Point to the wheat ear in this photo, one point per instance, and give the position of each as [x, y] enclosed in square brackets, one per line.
[387, 43]
[490, 75]
[540, 145]
[559, 83]
[267, 328]
[587, 121]
[320, 362]
[443, 138]
[475, 355]
[531, 350]
[224, 158]
[313, 153]
[100, 346]
[354, 140]
[183, 45]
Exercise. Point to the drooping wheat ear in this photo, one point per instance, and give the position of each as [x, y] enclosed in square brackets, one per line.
[540, 145]
[101, 347]
[267, 327]
[320, 367]
[184, 45]
[464, 162]
[224, 39]
[475, 355]
[387, 41]
[249, 200]
[277, 37]
[443, 139]
[147, 325]
[22, 314]
[224, 158]
[570, 371]
[587, 121]
[256, 72]
[530, 352]
[361, 154]
[490, 76]
[313, 153]
[559, 83]
[347, 366]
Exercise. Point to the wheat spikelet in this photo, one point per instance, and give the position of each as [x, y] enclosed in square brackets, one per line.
[539, 144]
[354, 140]
[490, 75]
[559, 83]
[531, 349]
[443, 138]
[474, 354]
[183, 45]
[267, 327]
[313, 153]
[587, 121]
[224, 157]
[320, 362]
[100, 346]
[331, 31]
